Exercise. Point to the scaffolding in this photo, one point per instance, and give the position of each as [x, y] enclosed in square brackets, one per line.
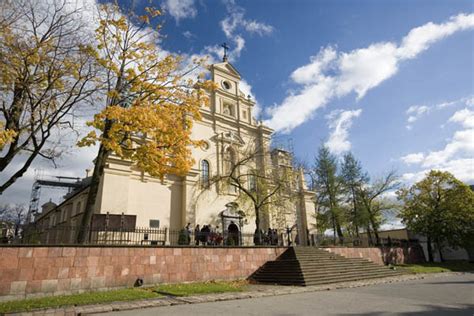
[56, 182]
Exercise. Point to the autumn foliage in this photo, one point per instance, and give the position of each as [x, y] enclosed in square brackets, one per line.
[151, 101]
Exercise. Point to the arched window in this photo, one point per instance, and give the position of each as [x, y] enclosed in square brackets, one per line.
[205, 173]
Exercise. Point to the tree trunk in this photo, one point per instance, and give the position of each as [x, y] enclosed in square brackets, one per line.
[440, 250]
[369, 236]
[257, 238]
[355, 219]
[13, 123]
[339, 233]
[430, 249]
[92, 195]
[374, 228]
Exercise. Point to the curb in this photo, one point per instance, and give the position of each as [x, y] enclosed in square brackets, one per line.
[196, 299]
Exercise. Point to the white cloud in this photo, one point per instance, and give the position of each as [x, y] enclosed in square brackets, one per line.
[233, 27]
[413, 158]
[420, 38]
[457, 156]
[180, 9]
[339, 123]
[415, 112]
[331, 74]
[470, 101]
[257, 27]
[236, 20]
[314, 71]
[465, 117]
[189, 35]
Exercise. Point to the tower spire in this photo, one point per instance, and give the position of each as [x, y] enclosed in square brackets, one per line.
[224, 45]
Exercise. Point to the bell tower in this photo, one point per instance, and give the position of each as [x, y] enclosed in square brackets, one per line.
[228, 102]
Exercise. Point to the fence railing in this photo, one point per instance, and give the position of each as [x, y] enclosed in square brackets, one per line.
[148, 236]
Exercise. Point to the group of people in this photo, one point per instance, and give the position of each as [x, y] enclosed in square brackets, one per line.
[270, 237]
[210, 236]
[205, 235]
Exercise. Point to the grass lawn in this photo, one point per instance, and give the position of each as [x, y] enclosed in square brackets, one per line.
[77, 299]
[186, 289]
[436, 267]
[122, 295]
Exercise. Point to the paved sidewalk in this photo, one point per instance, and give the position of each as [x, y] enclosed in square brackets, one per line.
[255, 291]
[443, 296]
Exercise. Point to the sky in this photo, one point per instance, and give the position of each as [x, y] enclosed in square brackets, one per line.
[391, 81]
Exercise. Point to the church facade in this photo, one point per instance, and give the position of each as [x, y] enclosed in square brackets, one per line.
[229, 130]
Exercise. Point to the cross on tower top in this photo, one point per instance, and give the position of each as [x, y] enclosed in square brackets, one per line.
[226, 48]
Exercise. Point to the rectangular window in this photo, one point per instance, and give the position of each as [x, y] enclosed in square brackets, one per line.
[154, 223]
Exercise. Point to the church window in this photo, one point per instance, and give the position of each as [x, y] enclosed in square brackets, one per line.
[226, 85]
[244, 114]
[205, 173]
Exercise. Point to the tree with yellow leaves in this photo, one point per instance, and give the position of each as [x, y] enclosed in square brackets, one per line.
[46, 71]
[150, 104]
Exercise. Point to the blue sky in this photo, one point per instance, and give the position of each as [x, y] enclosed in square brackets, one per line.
[379, 133]
[392, 81]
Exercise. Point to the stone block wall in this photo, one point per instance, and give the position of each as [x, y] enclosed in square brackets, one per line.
[37, 271]
[385, 255]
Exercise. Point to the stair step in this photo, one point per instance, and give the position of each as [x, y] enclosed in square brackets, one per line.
[324, 273]
[311, 266]
[322, 280]
[329, 270]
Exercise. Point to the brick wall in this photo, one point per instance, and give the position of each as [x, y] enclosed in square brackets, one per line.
[36, 271]
[393, 255]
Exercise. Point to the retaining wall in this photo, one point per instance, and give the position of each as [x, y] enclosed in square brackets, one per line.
[384, 255]
[38, 271]
[54, 270]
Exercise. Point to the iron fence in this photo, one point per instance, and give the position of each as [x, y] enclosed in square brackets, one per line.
[148, 236]
[145, 236]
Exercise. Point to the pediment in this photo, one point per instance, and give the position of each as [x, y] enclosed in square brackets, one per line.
[227, 68]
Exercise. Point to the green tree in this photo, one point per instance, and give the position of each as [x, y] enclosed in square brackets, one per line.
[373, 203]
[354, 178]
[328, 185]
[440, 207]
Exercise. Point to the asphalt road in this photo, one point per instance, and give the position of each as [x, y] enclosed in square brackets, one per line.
[443, 295]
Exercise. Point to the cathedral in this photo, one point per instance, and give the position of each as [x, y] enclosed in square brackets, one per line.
[228, 128]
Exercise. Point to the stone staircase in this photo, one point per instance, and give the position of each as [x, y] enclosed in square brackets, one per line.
[312, 266]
